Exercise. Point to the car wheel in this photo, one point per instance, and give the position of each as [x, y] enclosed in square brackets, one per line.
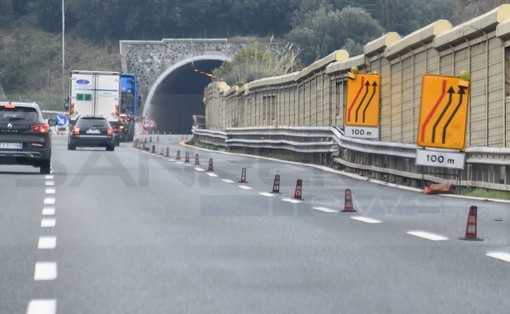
[110, 147]
[45, 167]
[71, 146]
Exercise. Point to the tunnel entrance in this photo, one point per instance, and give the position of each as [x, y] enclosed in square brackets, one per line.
[178, 95]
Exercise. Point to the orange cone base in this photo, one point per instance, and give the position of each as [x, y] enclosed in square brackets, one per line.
[348, 211]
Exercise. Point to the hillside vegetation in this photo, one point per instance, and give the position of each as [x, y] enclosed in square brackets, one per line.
[31, 62]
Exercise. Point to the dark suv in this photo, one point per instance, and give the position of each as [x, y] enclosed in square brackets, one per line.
[25, 137]
[91, 131]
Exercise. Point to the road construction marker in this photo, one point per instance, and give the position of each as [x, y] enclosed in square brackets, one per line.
[471, 225]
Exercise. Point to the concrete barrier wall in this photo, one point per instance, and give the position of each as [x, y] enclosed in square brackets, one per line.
[315, 96]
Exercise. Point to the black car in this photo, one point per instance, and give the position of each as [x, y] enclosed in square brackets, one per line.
[25, 138]
[91, 131]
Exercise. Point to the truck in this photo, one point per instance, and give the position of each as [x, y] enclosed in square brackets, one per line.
[95, 93]
[129, 106]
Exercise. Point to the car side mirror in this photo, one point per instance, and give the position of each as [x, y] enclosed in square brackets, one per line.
[52, 122]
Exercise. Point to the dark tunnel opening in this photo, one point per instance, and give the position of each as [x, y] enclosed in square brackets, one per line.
[180, 96]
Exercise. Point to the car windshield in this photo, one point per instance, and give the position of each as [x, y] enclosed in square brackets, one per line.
[18, 114]
[92, 123]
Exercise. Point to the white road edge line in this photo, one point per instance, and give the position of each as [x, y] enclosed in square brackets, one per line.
[47, 243]
[42, 307]
[366, 219]
[45, 271]
[500, 255]
[428, 235]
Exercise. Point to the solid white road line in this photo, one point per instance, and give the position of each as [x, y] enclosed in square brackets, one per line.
[244, 187]
[267, 194]
[42, 307]
[48, 223]
[47, 243]
[48, 211]
[227, 181]
[427, 235]
[500, 255]
[325, 209]
[45, 271]
[366, 219]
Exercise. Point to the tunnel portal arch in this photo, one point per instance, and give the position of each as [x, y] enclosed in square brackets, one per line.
[177, 94]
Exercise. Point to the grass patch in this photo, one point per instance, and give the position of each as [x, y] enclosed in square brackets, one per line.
[484, 193]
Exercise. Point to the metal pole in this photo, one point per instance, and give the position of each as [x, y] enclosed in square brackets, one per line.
[63, 50]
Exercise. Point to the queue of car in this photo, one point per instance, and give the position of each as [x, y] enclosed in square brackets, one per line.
[25, 136]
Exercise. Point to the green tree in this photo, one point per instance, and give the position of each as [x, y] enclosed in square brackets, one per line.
[48, 14]
[324, 30]
[254, 62]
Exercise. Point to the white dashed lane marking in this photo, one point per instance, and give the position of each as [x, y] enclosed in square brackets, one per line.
[45, 271]
[50, 191]
[267, 194]
[500, 255]
[48, 211]
[47, 243]
[49, 177]
[49, 201]
[227, 181]
[325, 209]
[48, 223]
[214, 175]
[244, 187]
[50, 183]
[428, 235]
[366, 220]
[42, 307]
[292, 200]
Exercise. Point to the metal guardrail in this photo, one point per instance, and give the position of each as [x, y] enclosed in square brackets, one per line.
[485, 167]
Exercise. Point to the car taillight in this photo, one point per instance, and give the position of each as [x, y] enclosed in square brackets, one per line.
[10, 106]
[109, 132]
[116, 130]
[40, 128]
[76, 131]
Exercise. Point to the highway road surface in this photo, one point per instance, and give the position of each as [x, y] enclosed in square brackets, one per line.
[134, 232]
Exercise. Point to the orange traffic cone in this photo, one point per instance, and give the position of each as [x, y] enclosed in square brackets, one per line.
[178, 157]
[348, 208]
[197, 160]
[471, 225]
[276, 184]
[186, 158]
[298, 193]
[243, 176]
[211, 167]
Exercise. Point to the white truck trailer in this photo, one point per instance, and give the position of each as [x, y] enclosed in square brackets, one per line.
[95, 93]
